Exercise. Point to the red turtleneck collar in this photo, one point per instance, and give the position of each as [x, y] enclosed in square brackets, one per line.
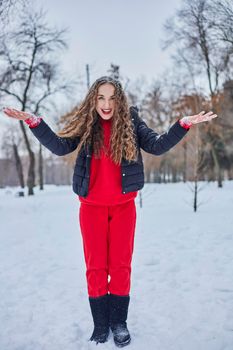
[105, 121]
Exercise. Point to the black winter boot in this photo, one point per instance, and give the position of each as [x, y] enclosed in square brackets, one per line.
[118, 311]
[100, 313]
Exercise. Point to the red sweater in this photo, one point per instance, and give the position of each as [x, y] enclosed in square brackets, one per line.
[105, 177]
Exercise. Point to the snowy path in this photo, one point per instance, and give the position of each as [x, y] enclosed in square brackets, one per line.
[182, 284]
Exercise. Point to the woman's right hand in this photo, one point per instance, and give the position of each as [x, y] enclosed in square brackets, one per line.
[16, 114]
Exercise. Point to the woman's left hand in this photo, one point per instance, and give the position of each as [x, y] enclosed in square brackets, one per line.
[199, 118]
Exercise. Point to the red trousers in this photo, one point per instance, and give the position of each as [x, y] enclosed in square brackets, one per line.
[108, 241]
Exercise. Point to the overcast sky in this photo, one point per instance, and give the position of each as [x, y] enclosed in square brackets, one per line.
[124, 32]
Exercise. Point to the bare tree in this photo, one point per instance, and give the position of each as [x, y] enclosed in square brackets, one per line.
[7, 6]
[10, 148]
[193, 31]
[223, 11]
[31, 75]
[10, 9]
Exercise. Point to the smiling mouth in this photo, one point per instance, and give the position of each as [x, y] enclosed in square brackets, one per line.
[106, 111]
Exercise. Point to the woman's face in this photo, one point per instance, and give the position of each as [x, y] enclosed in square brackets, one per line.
[105, 103]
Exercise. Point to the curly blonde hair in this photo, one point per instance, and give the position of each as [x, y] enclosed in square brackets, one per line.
[85, 123]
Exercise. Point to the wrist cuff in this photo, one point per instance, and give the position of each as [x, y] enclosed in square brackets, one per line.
[185, 123]
[33, 121]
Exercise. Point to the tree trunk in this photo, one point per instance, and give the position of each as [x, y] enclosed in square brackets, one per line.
[31, 168]
[19, 167]
[217, 167]
[174, 174]
[185, 163]
[41, 175]
[195, 194]
[31, 174]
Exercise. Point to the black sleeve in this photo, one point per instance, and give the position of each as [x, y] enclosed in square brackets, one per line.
[56, 144]
[155, 143]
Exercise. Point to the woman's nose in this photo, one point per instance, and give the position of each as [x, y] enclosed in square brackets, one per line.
[106, 104]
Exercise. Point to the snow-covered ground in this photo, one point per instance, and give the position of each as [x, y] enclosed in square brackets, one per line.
[182, 271]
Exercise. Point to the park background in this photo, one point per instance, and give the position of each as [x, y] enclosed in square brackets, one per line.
[174, 58]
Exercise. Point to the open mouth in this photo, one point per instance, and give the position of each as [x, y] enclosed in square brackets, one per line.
[106, 111]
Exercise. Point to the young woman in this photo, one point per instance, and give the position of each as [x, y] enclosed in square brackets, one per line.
[108, 135]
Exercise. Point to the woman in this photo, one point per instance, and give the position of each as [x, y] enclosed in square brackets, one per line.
[108, 135]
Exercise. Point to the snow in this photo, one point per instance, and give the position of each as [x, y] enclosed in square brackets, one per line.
[181, 289]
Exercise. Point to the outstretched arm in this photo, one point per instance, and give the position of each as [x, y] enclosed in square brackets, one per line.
[157, 144]
[56, 144]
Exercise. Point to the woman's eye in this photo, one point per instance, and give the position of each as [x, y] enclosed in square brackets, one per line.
[101, 98]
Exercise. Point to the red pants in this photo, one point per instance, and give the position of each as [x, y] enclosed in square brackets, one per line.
[108, 241]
